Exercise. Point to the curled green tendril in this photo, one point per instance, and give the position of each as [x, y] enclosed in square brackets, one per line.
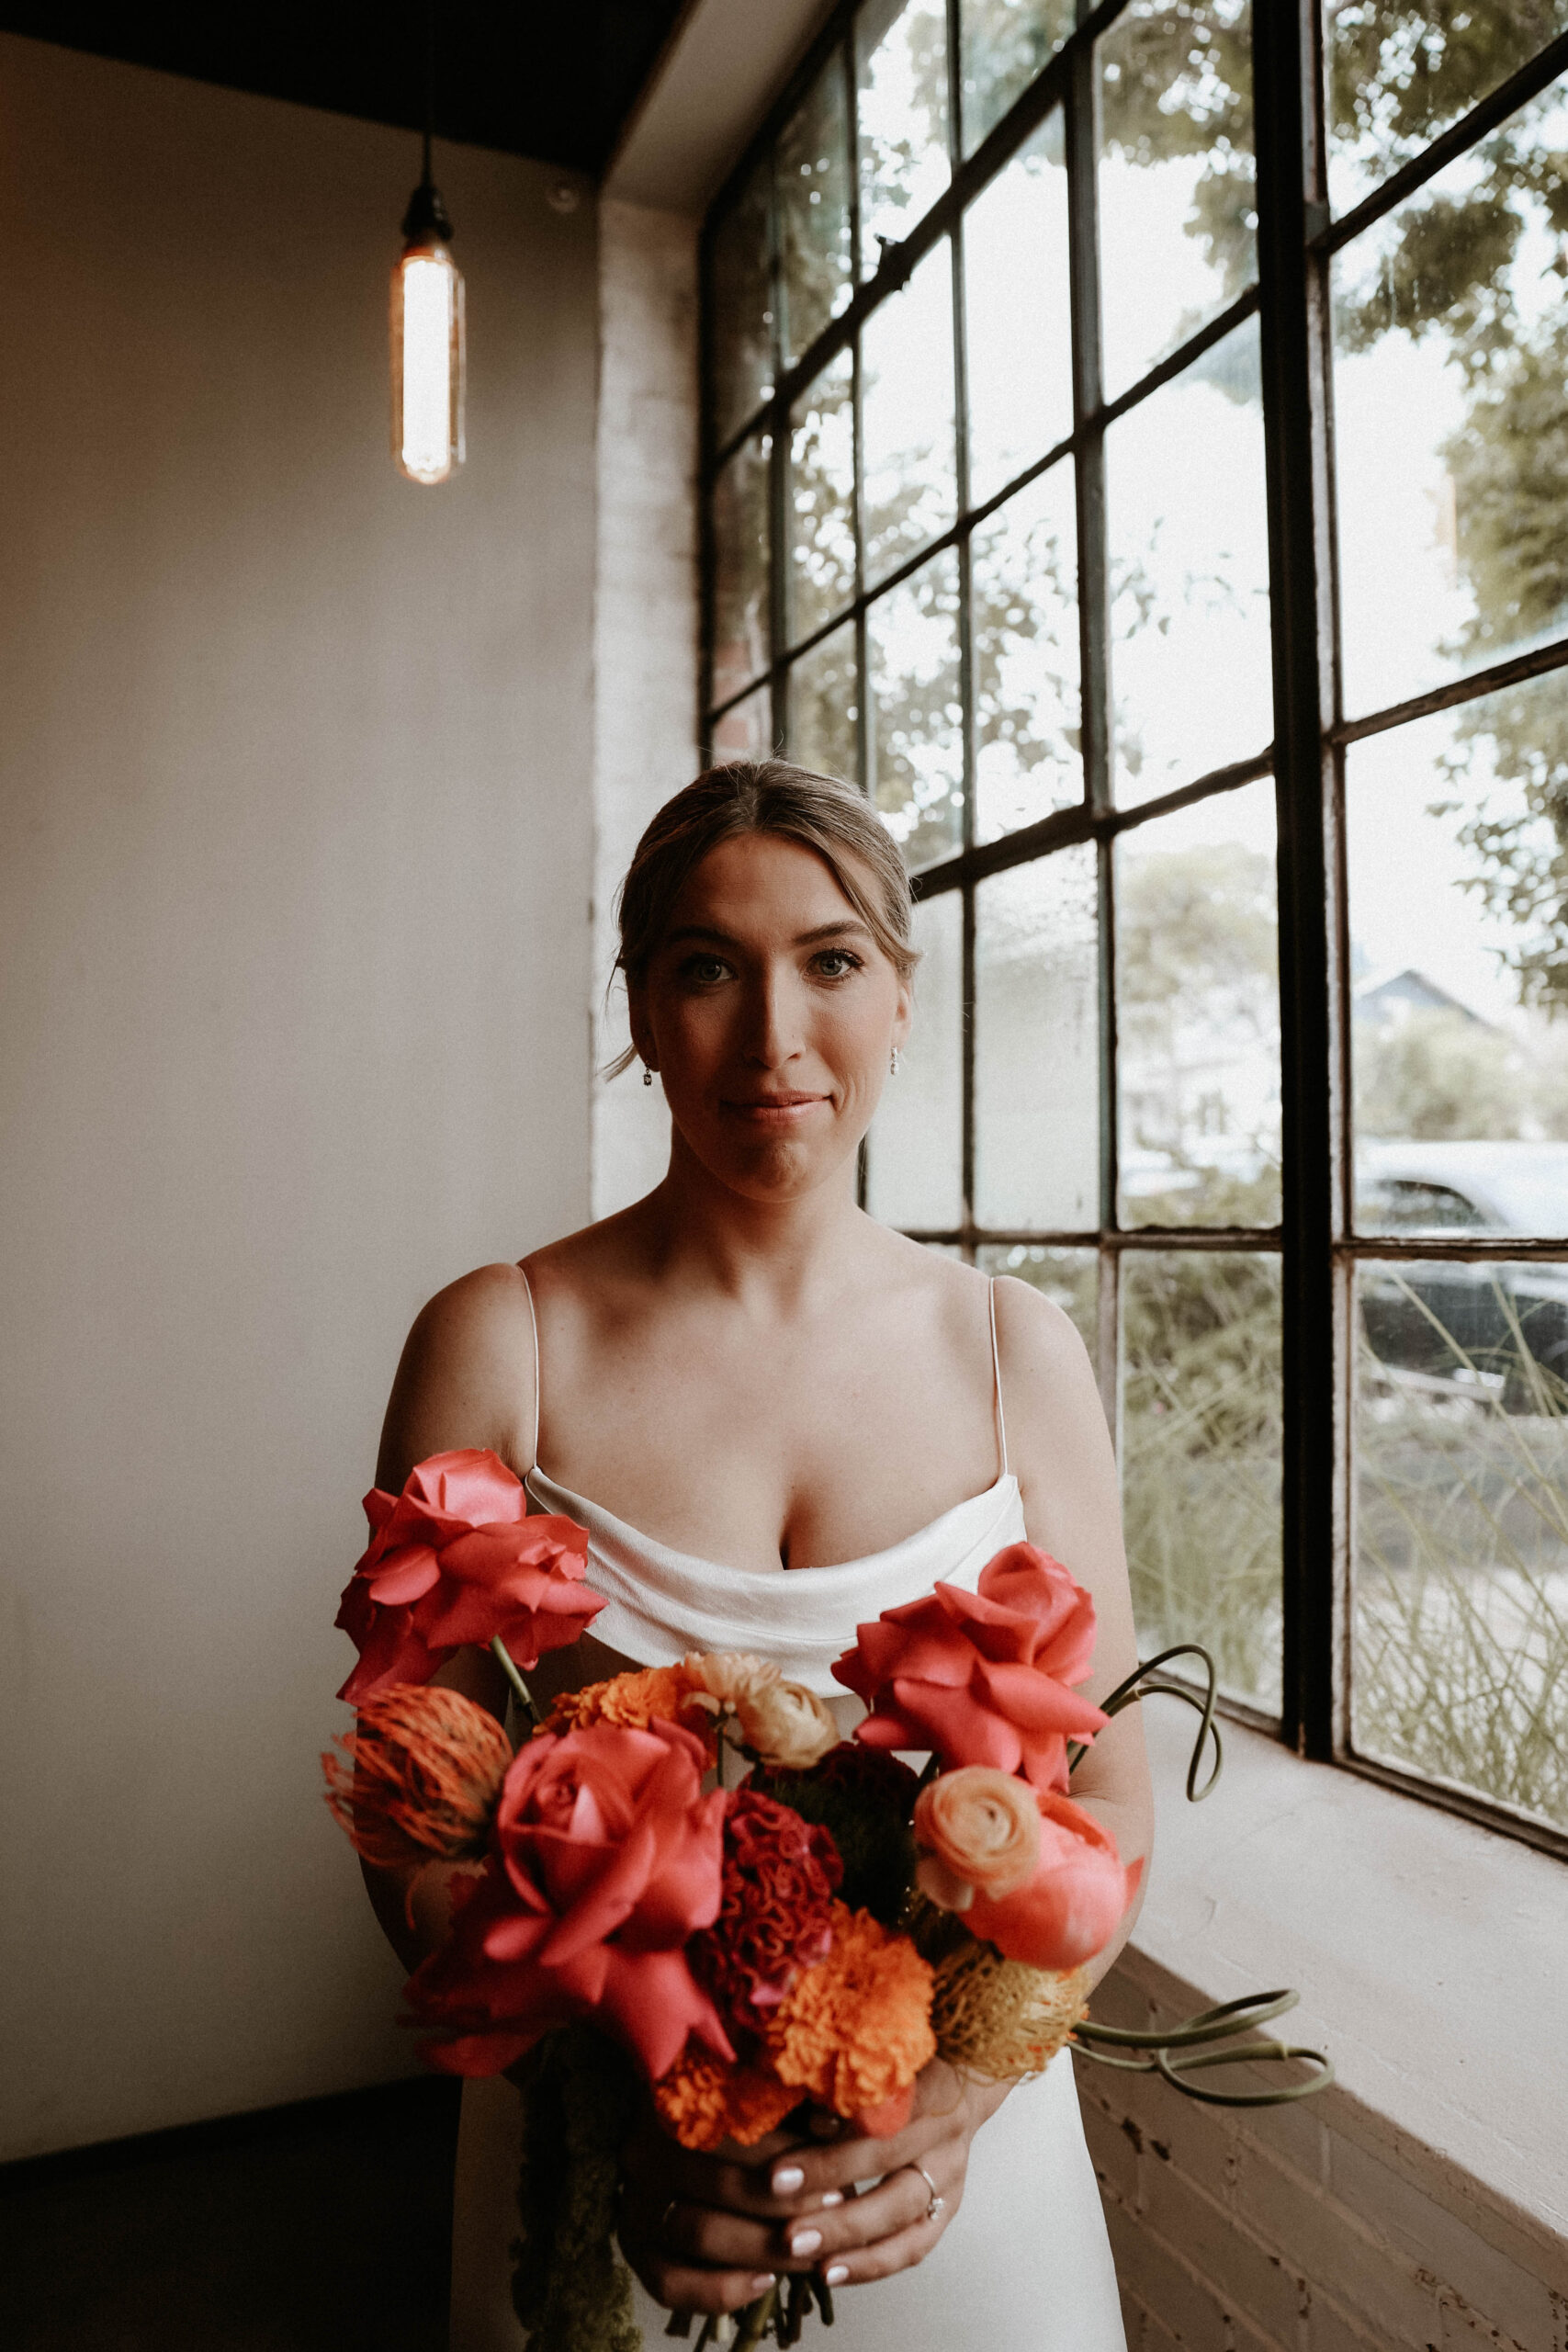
[1146, 1681]
[1195, 2047]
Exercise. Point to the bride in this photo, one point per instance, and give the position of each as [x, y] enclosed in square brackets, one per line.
[776, 1417]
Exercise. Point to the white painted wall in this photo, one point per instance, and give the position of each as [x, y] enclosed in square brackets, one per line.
[295, 805]
[645, 625]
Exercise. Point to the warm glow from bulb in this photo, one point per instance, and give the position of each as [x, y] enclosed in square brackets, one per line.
[427, 363]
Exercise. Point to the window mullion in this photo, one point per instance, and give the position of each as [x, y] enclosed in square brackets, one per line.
[1292, 313]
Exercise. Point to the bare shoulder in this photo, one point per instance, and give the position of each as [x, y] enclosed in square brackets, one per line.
[1048, 1381]
[466, 1376]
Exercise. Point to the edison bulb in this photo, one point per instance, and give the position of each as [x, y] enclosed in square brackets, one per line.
[427, 361]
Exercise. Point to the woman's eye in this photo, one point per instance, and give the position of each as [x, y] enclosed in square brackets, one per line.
[703, 971]
[837, 963]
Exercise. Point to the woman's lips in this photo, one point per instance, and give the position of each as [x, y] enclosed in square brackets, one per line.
[775, 1109]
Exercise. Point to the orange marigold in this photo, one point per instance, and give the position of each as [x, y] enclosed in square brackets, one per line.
[651, 1693]
[855, 2030]
[704, 2102]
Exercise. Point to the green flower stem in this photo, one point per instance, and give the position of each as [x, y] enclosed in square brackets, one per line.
[754, 2321]
[519, 1689]
[1176, 2051]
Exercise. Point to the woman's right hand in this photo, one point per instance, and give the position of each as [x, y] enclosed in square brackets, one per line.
[704, 2233]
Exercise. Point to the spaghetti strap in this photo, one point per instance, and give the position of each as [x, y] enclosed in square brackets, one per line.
[996, 1376]
[533, 1327]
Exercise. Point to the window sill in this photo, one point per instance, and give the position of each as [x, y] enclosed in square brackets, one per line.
[1427, 1951]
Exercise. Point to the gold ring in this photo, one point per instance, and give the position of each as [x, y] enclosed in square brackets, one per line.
[937, 2203]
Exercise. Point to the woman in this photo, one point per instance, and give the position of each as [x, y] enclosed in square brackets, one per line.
[744, 1369]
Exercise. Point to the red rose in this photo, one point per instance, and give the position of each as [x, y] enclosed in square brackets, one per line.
[1072, 1905]
[607, 1857]
[454, 1559]
[982, 1678]
[780, 1874]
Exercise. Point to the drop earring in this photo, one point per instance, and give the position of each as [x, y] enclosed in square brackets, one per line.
[647, 1075]
[893, 1064]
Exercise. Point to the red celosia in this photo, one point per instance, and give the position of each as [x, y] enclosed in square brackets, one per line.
[422, 1778]
[455, 1560]
[780, 1876]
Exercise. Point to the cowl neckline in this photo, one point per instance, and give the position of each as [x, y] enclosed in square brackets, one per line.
[662, 1603]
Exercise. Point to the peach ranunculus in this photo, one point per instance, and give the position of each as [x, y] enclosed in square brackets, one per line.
[1072, 1904]
[982, 1678]
[607, 1857]
[781, 1723]
[455, 1560]
[978, 1830]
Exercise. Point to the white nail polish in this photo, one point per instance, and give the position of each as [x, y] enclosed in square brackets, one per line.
[787, 2179]
[763, 2280]
[839, 2273]
[831, 2196]
[805, 2241]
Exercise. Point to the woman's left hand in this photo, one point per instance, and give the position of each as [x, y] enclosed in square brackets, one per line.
[890, 2227]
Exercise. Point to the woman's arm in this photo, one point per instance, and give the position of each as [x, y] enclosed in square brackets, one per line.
[466, 1378]
[1060, 1447]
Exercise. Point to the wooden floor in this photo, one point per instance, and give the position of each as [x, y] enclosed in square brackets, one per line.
[319, 2228]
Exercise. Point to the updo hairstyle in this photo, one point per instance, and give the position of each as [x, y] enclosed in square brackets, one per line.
[764, 797]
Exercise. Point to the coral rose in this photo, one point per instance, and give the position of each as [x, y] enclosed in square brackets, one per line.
[455, 1560]
[1072, 1904]
[608, 1858]
[979, 1829]
[982, 1678]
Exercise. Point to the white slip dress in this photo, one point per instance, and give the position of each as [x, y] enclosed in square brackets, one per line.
[1025, 2265]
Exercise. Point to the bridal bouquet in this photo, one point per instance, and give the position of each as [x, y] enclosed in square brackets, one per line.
[817, 1933]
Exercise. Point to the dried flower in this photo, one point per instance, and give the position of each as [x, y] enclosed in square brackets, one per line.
[419, 1777]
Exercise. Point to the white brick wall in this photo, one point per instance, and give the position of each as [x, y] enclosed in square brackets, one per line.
[1309, 2228]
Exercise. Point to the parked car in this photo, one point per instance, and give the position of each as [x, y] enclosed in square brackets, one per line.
[1480, 1324]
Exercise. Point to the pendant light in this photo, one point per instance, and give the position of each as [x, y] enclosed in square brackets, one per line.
[427, 355]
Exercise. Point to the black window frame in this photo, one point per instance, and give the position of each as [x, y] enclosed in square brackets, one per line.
[1315, 1241]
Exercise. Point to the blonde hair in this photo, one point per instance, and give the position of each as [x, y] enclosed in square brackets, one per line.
[821, 812]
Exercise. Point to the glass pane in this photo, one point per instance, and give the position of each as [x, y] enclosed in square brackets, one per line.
[741, 307]
[1189, 548]
[911, 651]
[822, 499]
[1024, 615]
[1037, 1046]
[741, 569]
[906, 417]
[824, 706]
[1018, 315]
[901, 70]
[1197, 1015]
[1202, 1408]
[1069, 1278]
[1005, 44]
[1459, 948]
[1450, 417]
[1178, 226]
[1460, 1608]
[811, 173]
[747, 732]
[915, 1157]
[1397, 75]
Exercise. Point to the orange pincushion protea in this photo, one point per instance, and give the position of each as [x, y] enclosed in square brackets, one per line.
[704, 2103]
[651, 1694]
[420, 1777]
[854, 2032]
